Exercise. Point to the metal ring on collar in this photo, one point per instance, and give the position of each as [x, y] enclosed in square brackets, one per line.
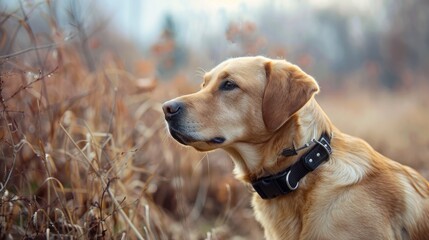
[288, 184]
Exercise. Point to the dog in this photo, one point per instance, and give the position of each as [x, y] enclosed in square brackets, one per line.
[311, 180]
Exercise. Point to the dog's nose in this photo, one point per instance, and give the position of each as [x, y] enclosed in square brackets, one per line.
[172, 108]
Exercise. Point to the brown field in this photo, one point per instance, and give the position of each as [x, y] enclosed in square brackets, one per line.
[84, 151]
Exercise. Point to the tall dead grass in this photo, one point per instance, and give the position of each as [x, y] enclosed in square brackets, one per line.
[84, 152]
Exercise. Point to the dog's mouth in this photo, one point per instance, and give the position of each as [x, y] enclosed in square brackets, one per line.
[189, 139]
[217, 140]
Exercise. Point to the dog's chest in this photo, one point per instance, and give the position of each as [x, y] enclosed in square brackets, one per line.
[299, 216]
[279, 217]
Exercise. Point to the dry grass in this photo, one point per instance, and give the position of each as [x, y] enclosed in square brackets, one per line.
[97, 162]
[84, 152]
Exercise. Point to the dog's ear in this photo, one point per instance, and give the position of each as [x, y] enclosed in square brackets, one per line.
[287, 90]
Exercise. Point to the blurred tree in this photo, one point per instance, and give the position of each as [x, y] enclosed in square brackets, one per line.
[388, 40]
[405, 44]
[247, 36]
[168, 51]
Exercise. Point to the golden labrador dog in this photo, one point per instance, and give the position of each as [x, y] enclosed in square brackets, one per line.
[311, 180]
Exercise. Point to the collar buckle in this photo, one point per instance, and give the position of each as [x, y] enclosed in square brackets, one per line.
[288, 183]
[318, 154]
[323, 142]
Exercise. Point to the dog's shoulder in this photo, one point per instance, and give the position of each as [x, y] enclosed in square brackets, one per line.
[397, 189]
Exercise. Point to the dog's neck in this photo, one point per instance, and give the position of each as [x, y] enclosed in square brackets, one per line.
[253, 161]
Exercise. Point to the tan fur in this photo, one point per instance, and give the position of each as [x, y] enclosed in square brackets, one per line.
[357, 194]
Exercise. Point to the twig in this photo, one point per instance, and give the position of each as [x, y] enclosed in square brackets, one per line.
[23, 87]
[7, 56]
[118, 206]
[2, 101]
[49, 45]
[14, 152]
[77, 22]
[101, 201]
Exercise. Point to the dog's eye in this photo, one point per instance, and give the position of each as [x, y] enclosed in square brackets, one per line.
[227, 85]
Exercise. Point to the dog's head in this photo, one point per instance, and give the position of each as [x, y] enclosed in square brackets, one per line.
[241, 100]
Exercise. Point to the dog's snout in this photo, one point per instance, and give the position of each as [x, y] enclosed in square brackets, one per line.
[172, 108]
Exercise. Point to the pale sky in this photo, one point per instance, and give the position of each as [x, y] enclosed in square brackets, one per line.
[144, 19]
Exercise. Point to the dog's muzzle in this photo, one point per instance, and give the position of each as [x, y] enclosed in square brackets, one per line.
[175, 115]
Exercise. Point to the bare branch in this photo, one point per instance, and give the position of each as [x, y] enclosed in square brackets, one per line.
[50, 45]
[31, 83]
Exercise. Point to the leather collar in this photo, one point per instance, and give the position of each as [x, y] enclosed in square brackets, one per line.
[288, 180]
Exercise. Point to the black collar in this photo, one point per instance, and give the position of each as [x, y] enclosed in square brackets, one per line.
[288, 180]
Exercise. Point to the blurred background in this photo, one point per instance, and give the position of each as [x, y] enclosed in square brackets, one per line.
[83, 147]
